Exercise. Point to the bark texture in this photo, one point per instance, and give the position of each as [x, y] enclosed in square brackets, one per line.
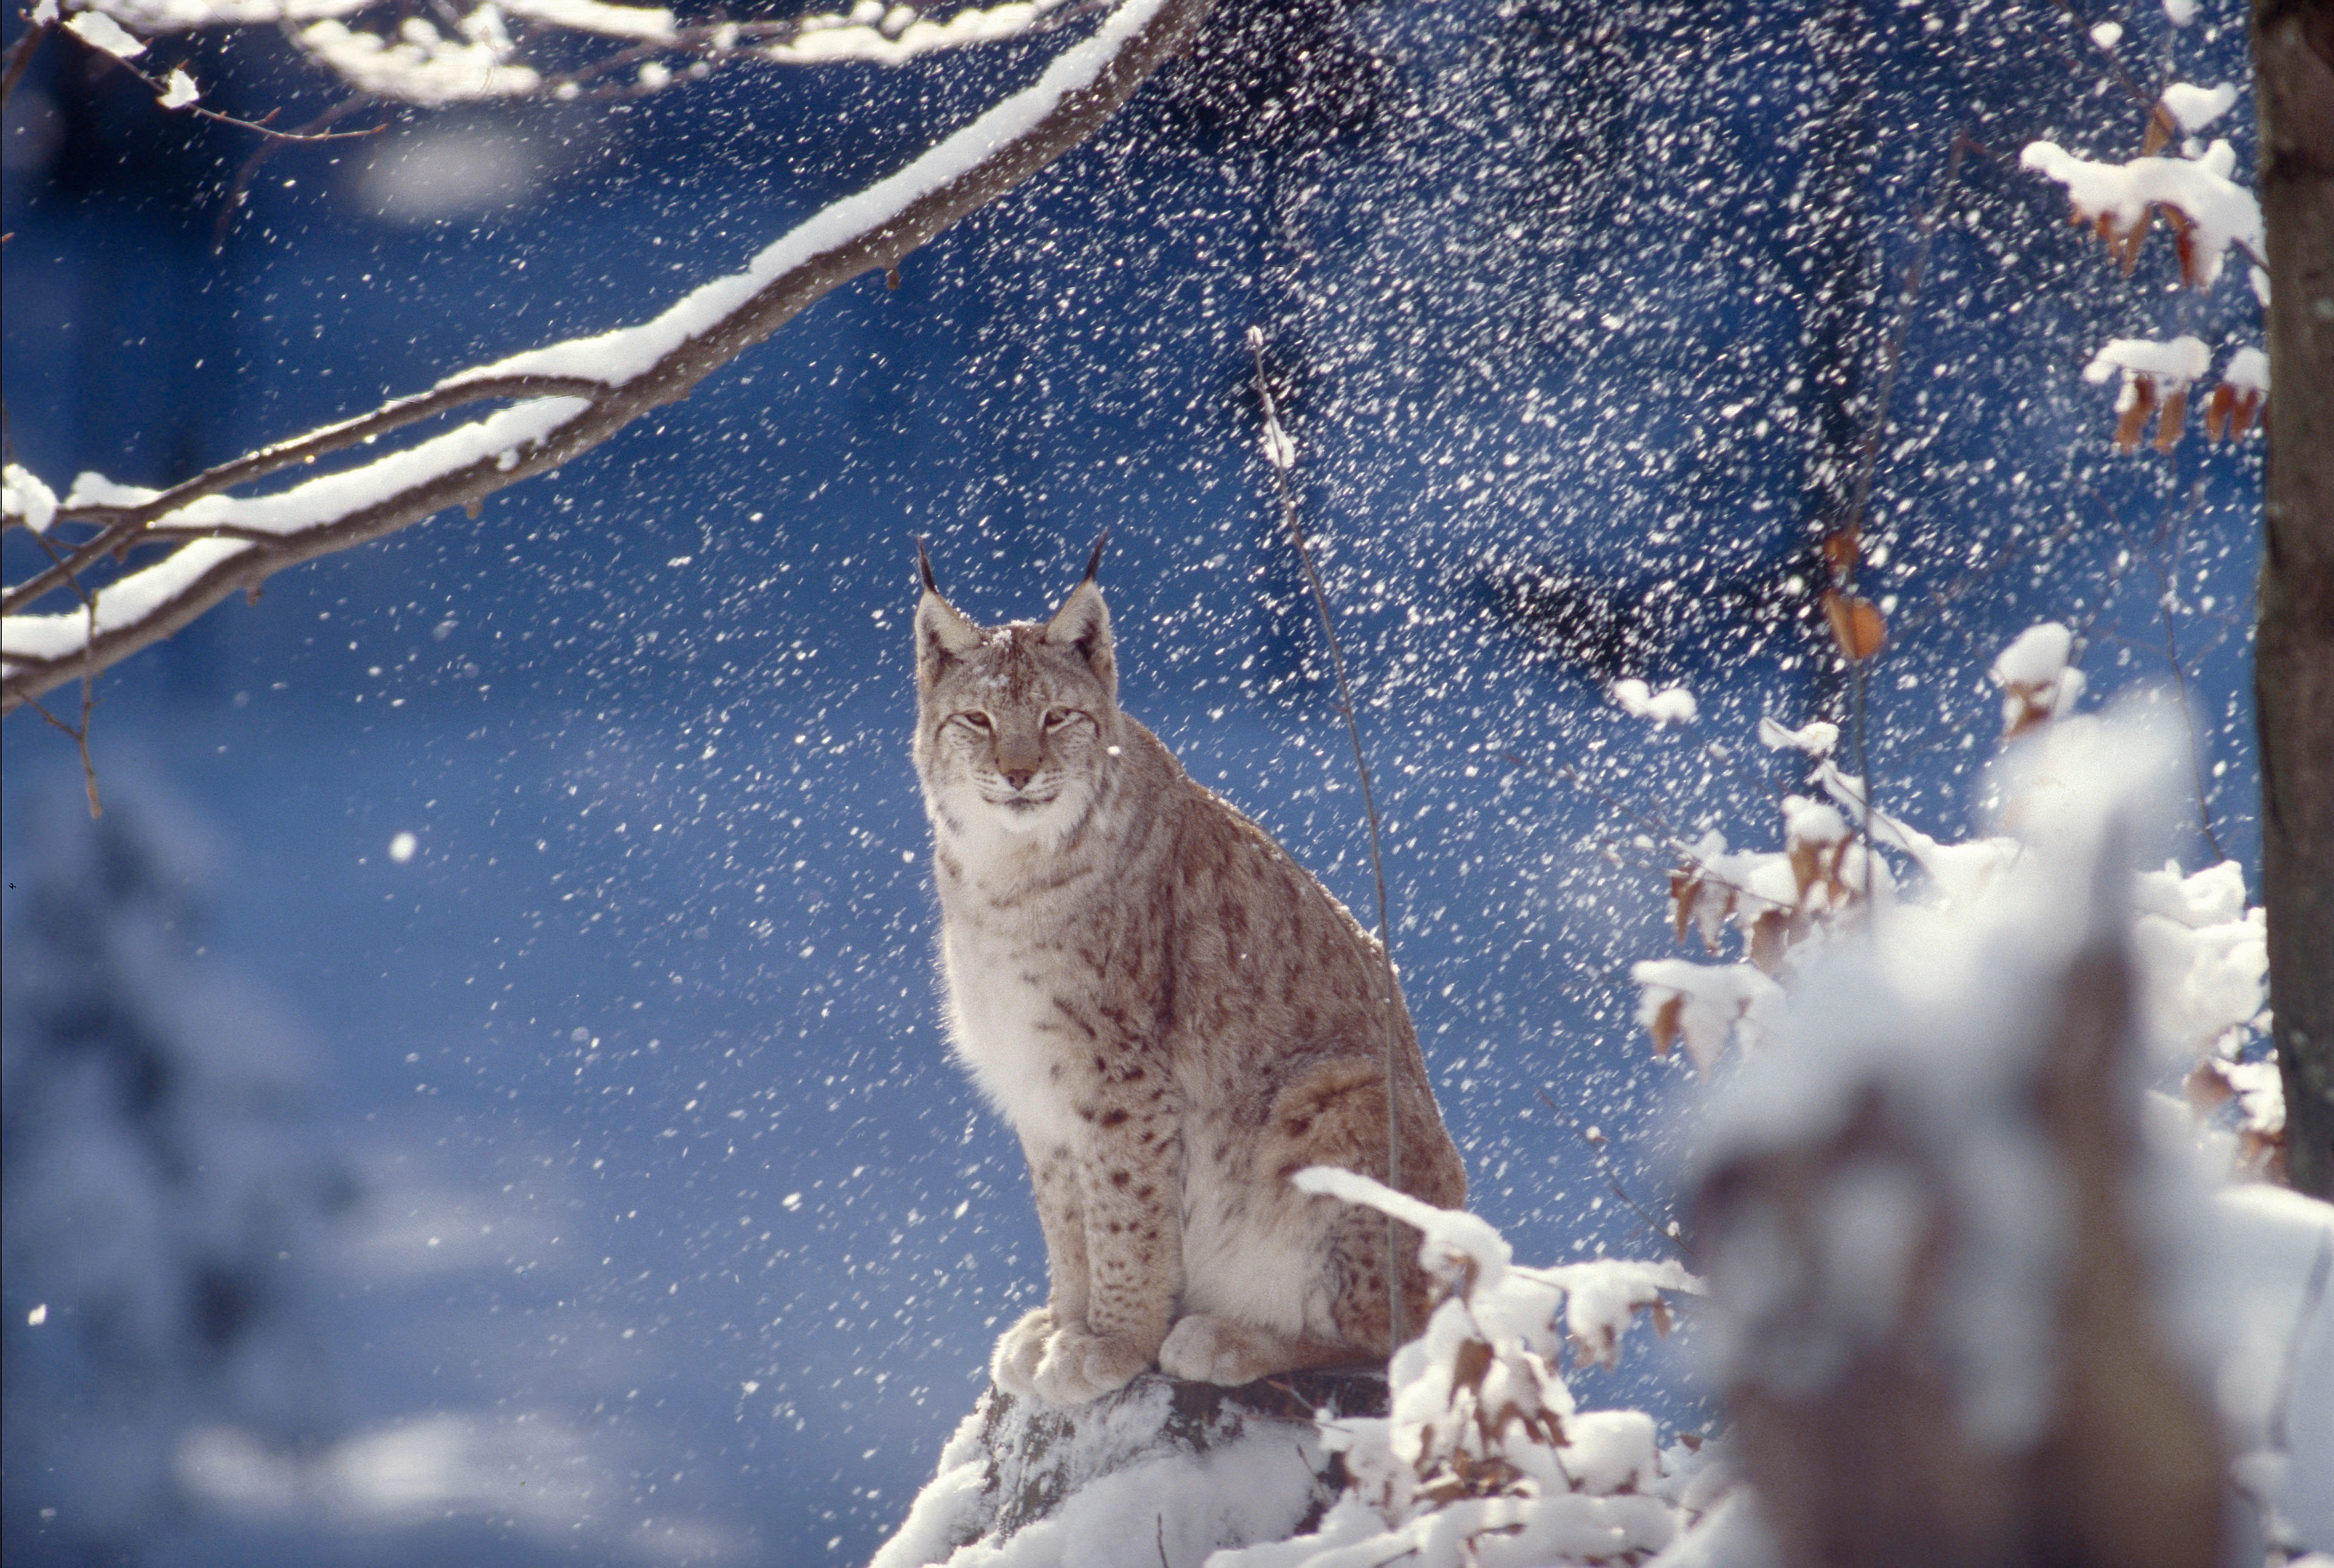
[2293, 659]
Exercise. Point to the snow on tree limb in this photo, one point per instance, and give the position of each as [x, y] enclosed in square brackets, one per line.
[569, 397]
[478, 52]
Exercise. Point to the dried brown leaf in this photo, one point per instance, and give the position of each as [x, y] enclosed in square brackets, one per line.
[2174, 419]
[2219, 409]
[2133, 417]
[1856, 624]
[2207, 1087]
[2160, 131]
[1842, 549]
[2248, 406]
[1467, 1367]
[1665, 1026]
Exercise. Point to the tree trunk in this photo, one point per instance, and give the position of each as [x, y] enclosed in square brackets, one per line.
[2293, 657]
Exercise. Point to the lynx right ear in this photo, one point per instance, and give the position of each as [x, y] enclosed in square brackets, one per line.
[1083, 624]
[942, 633]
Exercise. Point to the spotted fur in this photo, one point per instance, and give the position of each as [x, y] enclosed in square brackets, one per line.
[1173, 1016]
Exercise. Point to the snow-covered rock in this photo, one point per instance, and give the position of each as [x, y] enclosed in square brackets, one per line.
[1162, 1471]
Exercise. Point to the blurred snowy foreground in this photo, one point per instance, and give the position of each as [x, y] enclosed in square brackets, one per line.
[1974, 1292]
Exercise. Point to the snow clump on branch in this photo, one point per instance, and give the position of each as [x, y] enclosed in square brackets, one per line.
[1484, 1460]
[2201, 949]
[1955, 1242]
[2208, 211]
[469, 55]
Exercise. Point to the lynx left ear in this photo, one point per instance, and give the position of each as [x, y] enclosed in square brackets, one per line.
[943, 633]
[1083, 625]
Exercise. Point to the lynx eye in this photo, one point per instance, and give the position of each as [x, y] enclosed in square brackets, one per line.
[979, 721]
[1056, 717]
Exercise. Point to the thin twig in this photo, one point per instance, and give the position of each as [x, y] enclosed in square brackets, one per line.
[232, 202]
[1278, 452]
[20, 54]
[259, 127]
[88, 683]
[1613, 1182]
[1677, 845]
[1892, 361]
[2165, 564]
[1651, 1224]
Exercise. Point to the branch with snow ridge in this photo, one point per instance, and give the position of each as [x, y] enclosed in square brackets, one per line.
[517, 49]
[564, 399]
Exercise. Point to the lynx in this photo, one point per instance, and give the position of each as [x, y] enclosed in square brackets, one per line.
[1173, 1016]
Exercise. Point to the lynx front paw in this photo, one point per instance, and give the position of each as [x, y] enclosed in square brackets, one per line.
[1079, 1366]
[1020, 1349]
[1206, 1349]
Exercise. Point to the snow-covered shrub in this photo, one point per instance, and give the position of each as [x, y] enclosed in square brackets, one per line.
[2200, 947]
[1958, 1295]
[1483, 1458]
[163, 1188]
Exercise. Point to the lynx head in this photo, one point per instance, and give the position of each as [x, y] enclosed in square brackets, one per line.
[1014, 724]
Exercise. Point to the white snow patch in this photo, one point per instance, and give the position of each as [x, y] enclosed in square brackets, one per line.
[2224, 212]
[1673, 706]
[422, 66]
[2035, 655]
[24, 498]
[1816, 739]
[2247, 370]
[151, 17]
[1712, 1000]
[2175, 363]
[895, 35]
[2197, 107]
[593, 16]
[101, 32]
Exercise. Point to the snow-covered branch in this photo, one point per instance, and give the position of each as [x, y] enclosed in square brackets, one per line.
[508, 49]
[562, 399]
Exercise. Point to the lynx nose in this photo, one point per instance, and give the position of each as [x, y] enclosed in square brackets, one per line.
[1018, 777]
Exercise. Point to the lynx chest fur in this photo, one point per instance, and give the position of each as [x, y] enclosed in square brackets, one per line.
[1174, 1018]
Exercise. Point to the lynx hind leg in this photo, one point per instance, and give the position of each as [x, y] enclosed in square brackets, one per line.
[1360, 1307]
[1020, 1349]
[1335, 1115]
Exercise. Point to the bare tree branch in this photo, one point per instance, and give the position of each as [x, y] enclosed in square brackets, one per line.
[473, 53]
[574, 394]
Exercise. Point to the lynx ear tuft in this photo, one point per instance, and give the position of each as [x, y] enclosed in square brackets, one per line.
[943, 633]
[1094, 561]
[1083, 625]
